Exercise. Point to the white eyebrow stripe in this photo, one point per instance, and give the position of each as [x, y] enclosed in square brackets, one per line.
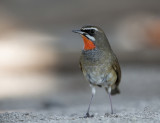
[90, 28]
[90, 37]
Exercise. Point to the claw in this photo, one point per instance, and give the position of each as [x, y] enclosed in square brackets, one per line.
[88, 115]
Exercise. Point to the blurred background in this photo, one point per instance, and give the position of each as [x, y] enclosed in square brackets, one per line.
[39, 54]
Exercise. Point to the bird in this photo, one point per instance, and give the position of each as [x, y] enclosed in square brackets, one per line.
[99, 63]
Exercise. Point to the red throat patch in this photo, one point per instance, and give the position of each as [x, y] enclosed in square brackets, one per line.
[88, 44]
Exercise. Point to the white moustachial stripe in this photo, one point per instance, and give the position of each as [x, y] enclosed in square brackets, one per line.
[90, 37]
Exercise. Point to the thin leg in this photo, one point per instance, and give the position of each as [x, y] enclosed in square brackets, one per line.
[87, 114]
[109, 93]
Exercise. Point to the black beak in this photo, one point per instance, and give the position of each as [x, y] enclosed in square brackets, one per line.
[78, 31]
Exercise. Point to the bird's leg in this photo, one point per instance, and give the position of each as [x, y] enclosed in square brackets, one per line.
[93, 93]
[109, 93]
[87, 114]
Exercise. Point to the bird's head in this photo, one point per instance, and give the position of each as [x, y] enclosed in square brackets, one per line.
[93, 37]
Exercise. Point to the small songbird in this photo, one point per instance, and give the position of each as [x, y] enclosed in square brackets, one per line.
[98, 62]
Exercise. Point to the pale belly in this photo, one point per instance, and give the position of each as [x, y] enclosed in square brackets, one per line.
[95, 78]
[99, 75]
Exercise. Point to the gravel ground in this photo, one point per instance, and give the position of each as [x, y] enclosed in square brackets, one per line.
[138, 102]
[148, 114]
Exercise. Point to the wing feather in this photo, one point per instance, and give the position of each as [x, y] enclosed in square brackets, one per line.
[117, 69]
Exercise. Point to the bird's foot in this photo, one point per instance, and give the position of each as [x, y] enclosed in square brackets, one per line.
[111, 115]
[88, 115]
[107, 114]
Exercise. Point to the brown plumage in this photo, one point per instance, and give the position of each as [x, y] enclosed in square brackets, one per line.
[98, 62]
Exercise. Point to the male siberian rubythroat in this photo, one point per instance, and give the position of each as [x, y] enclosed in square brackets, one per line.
[98, 62]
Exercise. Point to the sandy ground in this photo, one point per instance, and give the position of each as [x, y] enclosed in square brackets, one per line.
[138, 102]
[145, 112]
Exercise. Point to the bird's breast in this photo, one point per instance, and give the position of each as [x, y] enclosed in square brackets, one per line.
[92, 57]
[95, 66]
[95, 74]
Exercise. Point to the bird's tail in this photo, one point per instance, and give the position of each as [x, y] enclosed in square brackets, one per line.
[114, 91]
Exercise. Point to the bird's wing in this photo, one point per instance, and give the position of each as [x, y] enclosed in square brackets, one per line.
[116, 68]
[80, 65]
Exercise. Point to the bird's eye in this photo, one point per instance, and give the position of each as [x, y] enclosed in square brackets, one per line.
[92, 31]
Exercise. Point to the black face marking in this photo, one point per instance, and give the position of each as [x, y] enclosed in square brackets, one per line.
[90, 32]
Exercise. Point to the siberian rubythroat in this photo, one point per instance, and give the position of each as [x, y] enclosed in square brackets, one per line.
[98, 62]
